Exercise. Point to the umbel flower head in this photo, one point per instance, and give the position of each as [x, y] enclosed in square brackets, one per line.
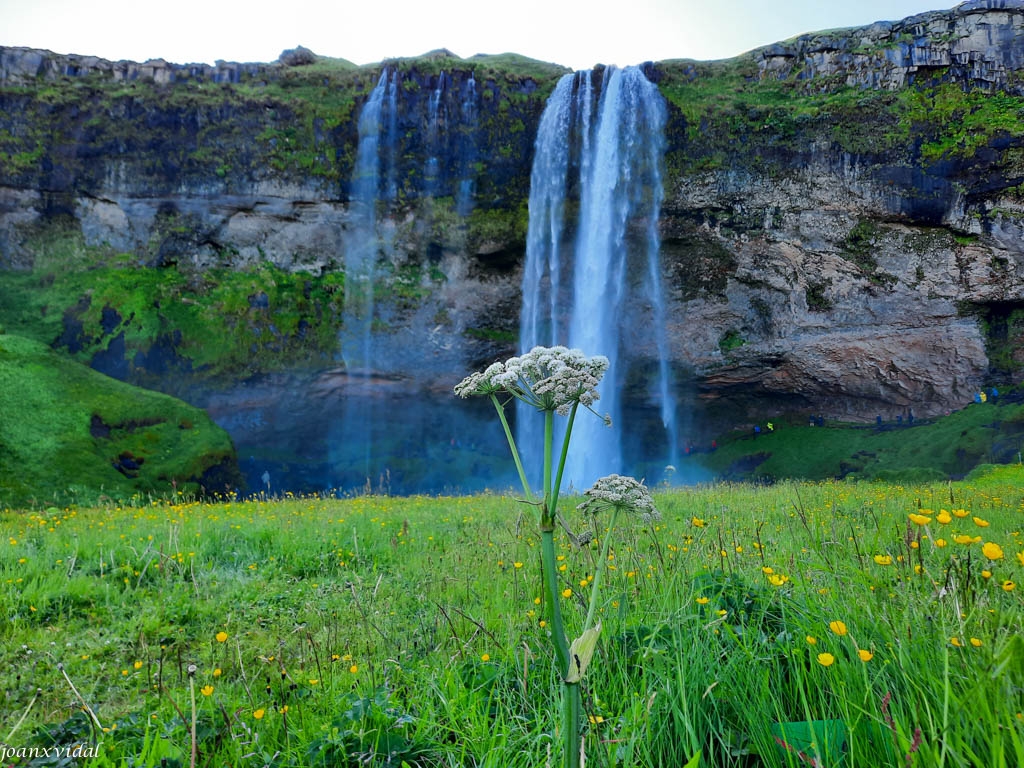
[624, 494]
[548, 378]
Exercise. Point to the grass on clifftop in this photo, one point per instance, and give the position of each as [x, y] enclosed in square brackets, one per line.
[65, 430]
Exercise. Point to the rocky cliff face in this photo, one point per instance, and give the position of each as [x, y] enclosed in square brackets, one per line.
[843, 228]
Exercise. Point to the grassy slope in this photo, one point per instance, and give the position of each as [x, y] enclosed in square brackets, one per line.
[48, 452]
[950, 446]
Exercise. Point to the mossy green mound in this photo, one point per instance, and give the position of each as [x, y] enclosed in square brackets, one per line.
[68, 433]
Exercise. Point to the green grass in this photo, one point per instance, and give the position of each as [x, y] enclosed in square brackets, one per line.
[65, 428]
[948, 446]
[411, 626]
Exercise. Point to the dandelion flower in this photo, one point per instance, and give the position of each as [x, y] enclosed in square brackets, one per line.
[838, 627]
[992, 551]
[354, 669]
[883, 559]
[567, 593]
[222, 636]
[137, 665]
[1008, 586]
[217, 672]
[258, 714]
[485, 657]
[826, 659]
[865, 655]
[206, 690]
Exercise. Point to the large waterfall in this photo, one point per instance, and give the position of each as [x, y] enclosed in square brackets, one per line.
[592, 273]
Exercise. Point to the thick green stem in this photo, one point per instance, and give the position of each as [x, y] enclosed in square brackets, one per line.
[602, 565]
[547, 513]
[572, 709]
[512, 445]
[561, 460]
[547, 550]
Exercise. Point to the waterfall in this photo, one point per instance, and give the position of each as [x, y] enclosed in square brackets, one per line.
[361, 242]
[374, 177]
[593, 282]
[467, 148]
[435, 127]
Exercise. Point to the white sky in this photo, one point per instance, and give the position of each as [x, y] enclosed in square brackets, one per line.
[575, 34]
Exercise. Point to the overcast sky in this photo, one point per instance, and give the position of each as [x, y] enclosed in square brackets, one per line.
[576, 34]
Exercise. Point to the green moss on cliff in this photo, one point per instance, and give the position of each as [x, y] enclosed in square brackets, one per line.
[138, 321]
[728, 110]
[70, 434]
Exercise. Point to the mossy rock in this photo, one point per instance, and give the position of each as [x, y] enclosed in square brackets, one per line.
[70, 434]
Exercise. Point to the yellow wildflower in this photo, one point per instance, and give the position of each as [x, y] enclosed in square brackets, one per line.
[838, 627]
[826, 659]
[222, 636]
[980, 523]
[919, 519]
[883, 559]
[865, 655]
[992, 551]
[944, 517]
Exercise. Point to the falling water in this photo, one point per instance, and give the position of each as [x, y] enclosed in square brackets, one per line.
[435, 127]
[362, 247]
[581, 292]
[361, 244]
[467, 148]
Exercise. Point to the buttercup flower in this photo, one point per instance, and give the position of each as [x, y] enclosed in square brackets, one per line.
[838, 627]
[992, 551]
[826, 659]
[865, 655]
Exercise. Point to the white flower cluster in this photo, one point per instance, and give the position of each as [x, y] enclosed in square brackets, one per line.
[624, 493]
[548, 378]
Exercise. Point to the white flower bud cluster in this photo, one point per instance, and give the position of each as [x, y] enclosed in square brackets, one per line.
[548, 378]
[624, 493]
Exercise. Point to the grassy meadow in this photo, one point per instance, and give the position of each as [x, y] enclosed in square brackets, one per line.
[411, 631]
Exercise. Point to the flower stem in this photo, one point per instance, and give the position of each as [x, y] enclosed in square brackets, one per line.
[512, 445]
[547, 513]
[571, 711]
[547, 541]
[561, 459]
[602, 566]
